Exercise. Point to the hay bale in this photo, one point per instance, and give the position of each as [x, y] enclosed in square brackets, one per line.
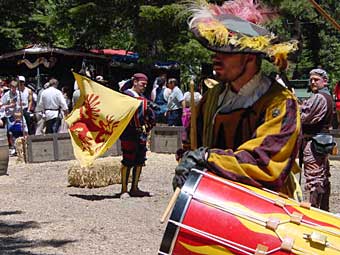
[102, 173]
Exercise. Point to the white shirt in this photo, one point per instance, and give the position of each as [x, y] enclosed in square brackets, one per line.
[187, 98]
[23, 96]
[175, 99]
[51, 101]
[131, 91]
[166, 94]
[6, 99]
[246, 97]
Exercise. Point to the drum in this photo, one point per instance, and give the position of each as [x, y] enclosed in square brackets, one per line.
[215, 216]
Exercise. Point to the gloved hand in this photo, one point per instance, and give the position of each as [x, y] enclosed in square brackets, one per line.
[153, 106]
[190, 159]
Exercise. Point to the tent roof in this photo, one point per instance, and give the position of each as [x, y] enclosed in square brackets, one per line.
[38, 49]
[118, 55]
[112, 52]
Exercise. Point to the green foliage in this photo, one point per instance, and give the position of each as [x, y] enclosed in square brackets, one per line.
[157, 30]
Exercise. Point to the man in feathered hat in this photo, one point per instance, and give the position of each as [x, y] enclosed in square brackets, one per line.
[248, 125]
[316, 117]
[133, 139]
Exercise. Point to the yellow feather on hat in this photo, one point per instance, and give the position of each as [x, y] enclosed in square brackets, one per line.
[234, 27]
[279, 52]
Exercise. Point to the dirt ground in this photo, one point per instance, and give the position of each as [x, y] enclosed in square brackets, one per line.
[40, 215]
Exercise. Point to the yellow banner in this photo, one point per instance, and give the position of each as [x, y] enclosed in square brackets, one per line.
[98, 119]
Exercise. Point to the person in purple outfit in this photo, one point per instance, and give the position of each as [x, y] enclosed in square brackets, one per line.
[316, 117]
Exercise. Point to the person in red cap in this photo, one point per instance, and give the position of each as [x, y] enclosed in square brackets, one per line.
[133, 139]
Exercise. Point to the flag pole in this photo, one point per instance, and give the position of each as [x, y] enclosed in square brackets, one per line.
[325, 14]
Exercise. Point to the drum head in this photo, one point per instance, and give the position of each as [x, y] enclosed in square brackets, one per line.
[178, 212]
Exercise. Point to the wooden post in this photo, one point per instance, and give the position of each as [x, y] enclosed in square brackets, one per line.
[193, 119]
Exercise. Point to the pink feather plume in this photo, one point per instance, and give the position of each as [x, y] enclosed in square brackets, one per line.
[245, 9]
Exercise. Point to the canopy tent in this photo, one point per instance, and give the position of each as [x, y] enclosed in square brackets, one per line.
[118, 55]
[38, 62]
[167, 65]
[39, 49]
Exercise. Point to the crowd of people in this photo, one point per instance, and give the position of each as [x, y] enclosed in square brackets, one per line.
[25, 111]
[173, 106]
[241, 112]
[251, 127]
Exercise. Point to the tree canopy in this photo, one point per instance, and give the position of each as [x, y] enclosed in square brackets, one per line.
[157, 30]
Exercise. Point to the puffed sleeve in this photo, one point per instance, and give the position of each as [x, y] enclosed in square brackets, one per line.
[314, 109]
[267, 158]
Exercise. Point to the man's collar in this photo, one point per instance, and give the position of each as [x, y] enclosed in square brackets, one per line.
[251, 85]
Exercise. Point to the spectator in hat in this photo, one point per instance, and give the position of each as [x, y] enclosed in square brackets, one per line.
[248, 124]
[25, 102]
[316, 118]
[134, 137]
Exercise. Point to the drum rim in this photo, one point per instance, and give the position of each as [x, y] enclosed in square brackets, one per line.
[183, 201]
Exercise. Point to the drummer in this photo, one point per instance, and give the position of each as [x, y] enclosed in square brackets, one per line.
[248, 124]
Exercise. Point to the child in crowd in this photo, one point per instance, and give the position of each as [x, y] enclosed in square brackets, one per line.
[16, 129]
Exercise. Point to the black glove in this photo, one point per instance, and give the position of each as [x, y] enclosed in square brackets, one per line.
[190, 159]
[153, 106]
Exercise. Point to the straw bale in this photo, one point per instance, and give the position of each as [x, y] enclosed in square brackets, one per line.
[102, 173]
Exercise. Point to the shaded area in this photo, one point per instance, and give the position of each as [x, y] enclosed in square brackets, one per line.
[9, 228]
[14, 245]
[10, 212]
[95, 197]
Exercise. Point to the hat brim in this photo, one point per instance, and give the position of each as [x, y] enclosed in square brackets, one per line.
[228, 49]
[237, 26]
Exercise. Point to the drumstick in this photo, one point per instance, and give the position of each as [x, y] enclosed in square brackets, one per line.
[171, 204]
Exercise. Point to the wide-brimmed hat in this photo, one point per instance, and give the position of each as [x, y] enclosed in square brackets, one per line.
[234, 27]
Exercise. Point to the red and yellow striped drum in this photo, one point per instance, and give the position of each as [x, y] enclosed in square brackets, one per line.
[215, 216]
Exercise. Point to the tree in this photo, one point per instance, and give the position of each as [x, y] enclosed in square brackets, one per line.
[157, 30]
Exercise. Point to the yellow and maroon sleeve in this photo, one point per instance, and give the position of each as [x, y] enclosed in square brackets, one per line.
[267, 158]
